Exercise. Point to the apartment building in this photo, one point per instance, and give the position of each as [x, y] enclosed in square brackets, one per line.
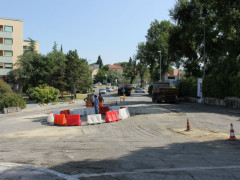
[11, 44]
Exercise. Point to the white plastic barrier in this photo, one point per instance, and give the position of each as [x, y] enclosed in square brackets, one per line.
[127, 112]
[55, 112]
[123, 113]
[79, 111]
[50, 119]
[90, 110]
[94, 119]
[114, 108]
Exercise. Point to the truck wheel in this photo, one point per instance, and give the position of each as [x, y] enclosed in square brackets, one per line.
[153, 98]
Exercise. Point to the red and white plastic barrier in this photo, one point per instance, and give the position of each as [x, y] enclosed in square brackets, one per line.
[50, 119]
[94, 119]
[73, 120]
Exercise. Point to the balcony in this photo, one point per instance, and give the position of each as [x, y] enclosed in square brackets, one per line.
[6, 59]
[5, 47]
[4, 72]
[4, 34]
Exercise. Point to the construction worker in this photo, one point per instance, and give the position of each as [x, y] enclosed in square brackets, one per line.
[96, 105]
[88, 101]
[101, 100]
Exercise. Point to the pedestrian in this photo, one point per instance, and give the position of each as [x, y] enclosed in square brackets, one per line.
[88, 101]
[96, 105]
[101, 100]
[123, 91]
[92, 99]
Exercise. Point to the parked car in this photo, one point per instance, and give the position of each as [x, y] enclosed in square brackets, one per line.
[140, 90]
[102, 91]
[94, 86]
[109, 89]
[98, 83]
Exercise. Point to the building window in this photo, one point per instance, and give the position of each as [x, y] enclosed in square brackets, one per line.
[1, 27]
[1, 40]
[1, 52]
[8, 28]
[1, 65]
[8, 41]
[8, 65]
[8, 53]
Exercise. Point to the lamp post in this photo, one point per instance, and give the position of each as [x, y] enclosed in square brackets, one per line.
[204, 46]
[160, 71]
[204, 51]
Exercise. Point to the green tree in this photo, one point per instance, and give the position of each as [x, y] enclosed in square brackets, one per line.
[30, 71]
[220, 22]
[99, 62]
[112, 76]
[131, 70]
[32, 45]
[77, 72]
[100, 76]
[105, 68]
[56, 68]
[157, 40]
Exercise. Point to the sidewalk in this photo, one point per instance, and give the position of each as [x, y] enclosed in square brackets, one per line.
[49, 106]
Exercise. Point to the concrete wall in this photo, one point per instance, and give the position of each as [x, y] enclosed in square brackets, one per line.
[230, 102]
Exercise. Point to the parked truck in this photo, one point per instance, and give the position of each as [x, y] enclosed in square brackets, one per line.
[163, 92]
[127, 87]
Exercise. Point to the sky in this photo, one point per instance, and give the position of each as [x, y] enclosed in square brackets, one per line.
[109, 28]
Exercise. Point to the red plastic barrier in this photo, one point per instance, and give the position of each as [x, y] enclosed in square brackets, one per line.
[60, 120]
[73, 120]
[115, 115]
[66, 112]
[103, 110]
[108, 117]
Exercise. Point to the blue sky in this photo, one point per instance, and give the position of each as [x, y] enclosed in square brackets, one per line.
[110, 28]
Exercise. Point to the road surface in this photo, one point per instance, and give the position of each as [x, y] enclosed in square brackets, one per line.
[151, 144]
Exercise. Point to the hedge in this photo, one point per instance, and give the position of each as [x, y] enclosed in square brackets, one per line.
[188, 87]
[8, 98]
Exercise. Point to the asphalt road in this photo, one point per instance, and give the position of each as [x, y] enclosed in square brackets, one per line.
[152, 144]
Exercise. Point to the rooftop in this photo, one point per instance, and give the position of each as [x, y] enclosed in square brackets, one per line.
[11, 19]
[114, 67]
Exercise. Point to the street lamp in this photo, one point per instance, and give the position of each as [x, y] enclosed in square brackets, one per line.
[204, 46]
[160, 71]
[204, 52]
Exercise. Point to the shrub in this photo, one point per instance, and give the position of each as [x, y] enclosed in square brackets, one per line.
[11, 99]
[4, 87]
[45, 94]
[8, 98]
[188, 87]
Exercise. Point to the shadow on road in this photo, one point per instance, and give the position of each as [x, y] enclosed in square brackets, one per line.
[178, 155]
[180, 107]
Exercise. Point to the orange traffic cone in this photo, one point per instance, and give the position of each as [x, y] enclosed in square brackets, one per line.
[188, 126]
[232, 134]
